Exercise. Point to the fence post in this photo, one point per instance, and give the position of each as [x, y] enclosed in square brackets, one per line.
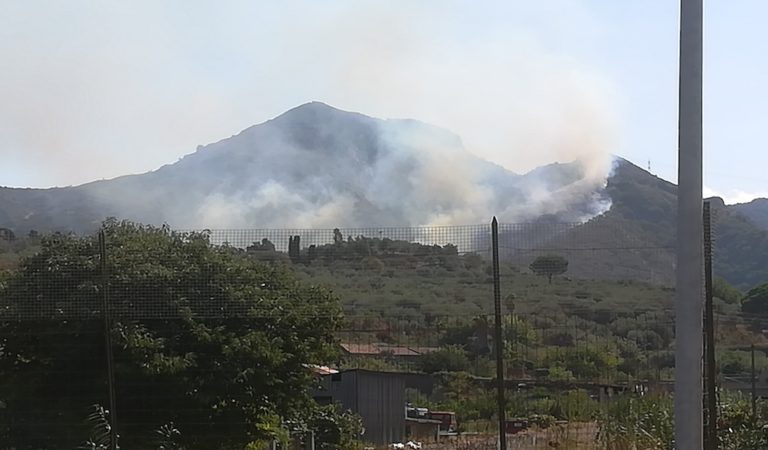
[498, 338]
[105, 306]
[710, 435]
[753, 379]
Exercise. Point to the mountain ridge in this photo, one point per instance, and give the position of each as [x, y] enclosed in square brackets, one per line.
[313, 155]
[316, 166]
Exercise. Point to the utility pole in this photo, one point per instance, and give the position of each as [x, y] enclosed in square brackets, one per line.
[688, 303]
[498, 338]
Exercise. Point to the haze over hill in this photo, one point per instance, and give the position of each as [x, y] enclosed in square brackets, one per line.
[319, 167]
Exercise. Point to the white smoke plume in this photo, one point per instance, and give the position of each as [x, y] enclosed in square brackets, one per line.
[318, 167]
[503, 85]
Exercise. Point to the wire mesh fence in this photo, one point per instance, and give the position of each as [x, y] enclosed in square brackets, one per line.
[206, 327]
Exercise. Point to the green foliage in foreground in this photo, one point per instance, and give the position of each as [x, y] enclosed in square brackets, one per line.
[223, 382]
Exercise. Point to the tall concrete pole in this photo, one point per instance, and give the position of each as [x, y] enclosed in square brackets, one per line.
[690, 258]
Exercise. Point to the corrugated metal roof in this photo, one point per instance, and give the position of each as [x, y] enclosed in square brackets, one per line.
[385, 349]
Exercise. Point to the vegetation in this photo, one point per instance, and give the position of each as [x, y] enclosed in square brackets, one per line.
[548, 266]
[645, 423]
[756, 300]
[222, 336]
[206, 338]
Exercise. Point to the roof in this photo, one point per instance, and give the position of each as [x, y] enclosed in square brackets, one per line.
[379, 349]
[417, 420]
[387, 372]
[321, 370]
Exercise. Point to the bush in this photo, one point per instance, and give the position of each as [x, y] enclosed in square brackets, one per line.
[642, 423]
[575, 405]
[336, 429]
[449, 359]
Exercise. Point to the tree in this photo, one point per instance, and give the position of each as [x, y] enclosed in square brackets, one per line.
[724, 291]
[205, 337]
[549, 266]
[452, 358]
[264, 246]
[756, 300]
[338, 238]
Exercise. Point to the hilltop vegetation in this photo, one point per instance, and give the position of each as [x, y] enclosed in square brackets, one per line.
[573, 328]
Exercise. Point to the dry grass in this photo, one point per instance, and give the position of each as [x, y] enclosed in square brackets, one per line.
[574, 436]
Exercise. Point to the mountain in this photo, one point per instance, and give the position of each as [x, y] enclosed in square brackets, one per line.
[756, 211]
[645, 207]
[319, 167]
[315, 166]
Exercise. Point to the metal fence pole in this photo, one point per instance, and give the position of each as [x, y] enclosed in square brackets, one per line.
[498, 336]
[710, 437]
[753, 380]
[108, 341]
[689, 304]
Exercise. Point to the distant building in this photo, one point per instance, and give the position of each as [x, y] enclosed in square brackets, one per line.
[423, 425]
[422, 429]
[6, 234]
[381, 349]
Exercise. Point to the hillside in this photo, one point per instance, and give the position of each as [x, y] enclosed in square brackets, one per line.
[314, 166]
[319, 167]
[756, 211]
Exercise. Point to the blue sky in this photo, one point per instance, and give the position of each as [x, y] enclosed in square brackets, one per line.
[94, 90]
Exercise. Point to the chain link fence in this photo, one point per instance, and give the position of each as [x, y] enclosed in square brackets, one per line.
[171, 328]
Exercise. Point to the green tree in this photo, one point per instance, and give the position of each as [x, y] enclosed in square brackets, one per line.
[724, 291]
[756, 300]
[583, 362]
[335, 429]
[452, 358]
[205, 337]
[549, 265]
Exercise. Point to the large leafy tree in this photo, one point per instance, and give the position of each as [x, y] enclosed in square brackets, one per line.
[205, 337]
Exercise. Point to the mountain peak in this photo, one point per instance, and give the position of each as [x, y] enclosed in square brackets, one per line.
[313, 111]
[312, 106]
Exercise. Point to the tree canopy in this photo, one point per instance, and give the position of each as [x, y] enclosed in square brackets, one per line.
[549, 266]
[724, 291]
[205, 337]
[756, 300]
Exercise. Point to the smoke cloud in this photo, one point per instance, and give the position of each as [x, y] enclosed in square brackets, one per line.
[95, 91]
[319, 167]
[92, 97]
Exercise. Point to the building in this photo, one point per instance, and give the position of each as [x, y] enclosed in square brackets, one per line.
[422, 429]
[7, 234]
[377, 397]
[423, 425]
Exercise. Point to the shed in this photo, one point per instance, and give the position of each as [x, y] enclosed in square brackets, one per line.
[377, 397]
